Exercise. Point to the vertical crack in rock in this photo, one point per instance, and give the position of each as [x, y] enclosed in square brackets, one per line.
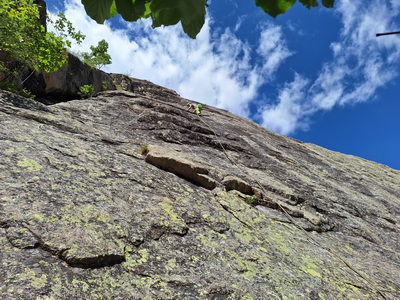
[183, 222]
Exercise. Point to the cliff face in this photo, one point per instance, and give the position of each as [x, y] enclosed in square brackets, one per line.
[129, 196]
[64, 84]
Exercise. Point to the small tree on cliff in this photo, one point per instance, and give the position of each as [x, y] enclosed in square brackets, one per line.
[98, 57]
[24, 42]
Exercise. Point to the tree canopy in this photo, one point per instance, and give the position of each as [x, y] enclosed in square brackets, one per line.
[191, 13]
[98, 57]
[24, 42]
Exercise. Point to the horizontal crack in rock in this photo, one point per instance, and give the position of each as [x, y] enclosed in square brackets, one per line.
[91, 262]
[181, 167]
[24, 237]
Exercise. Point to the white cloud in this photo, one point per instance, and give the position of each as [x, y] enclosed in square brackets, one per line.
[216, 69]
[273, 49]
[222, 70]
[361, 65]
[285, 116]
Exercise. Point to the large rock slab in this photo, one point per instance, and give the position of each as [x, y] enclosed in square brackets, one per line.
[64, 84]
[129, 196]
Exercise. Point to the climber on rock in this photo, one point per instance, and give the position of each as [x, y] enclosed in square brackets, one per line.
[197, 108]
[190, 106]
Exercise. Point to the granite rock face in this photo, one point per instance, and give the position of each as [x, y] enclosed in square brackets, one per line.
[129, 196]
[64, 84]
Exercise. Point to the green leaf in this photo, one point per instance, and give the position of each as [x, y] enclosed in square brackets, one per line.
[131, 10]
[309, 3]
[147, 12]
[328, 3]
[98, 10]
[194, 21]
[274, 8]
[165, 12]
[191, 13]
[113, 9]
[192, 27]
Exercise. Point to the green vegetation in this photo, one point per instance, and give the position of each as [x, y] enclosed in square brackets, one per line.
[12, 88]
[253, 200]
[98, 57]
[144, 150]
[86, 91]
[191, 13]
[24, 42]
[66, 30]
[25, 46]
[104, 85]
[277, 7]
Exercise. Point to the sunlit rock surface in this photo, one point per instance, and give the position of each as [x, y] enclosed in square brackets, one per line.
[129, 196]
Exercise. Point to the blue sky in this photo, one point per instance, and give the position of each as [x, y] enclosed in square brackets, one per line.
[320, 76]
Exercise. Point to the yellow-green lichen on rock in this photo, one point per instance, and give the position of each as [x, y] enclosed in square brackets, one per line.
[29, 164]
[85, 215]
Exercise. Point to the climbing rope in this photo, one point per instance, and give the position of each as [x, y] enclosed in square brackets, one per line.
[293, 221]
